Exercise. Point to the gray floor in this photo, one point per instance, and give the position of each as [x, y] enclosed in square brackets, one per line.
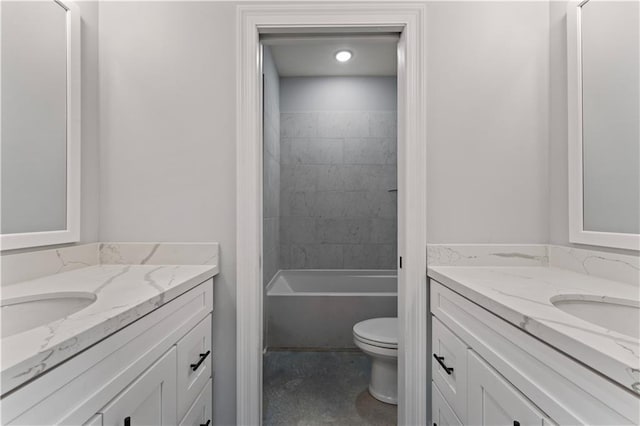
[318, 388]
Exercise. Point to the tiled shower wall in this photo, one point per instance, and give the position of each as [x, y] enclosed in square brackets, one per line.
[336, 210]
[271, 169]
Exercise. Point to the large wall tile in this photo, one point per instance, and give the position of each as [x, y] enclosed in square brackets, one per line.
[320, 256]
[298, 124]
[271, 169]
[383, 124]
[373, 204]
[298, 230]
[336, 169]
[311, 151]
[384, 231]
[271, 176]
[343, 230]
[370, 151]
[343, 124]
[369, 177]
[370, 256]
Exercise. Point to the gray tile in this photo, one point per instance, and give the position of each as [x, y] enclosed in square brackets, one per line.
[298, 177]
[271, 247]
[311, 151]
[378, 204]
[369, 177]
[271, 194]
[298, 124]
[383, 124]
[384, 231]
[330, 177]
[343, 230]
[329, 204]
[311, 203]
[271, 140]
[300, 203]
[370, 256]
[285, 256]
[343, 124]
[370, 151]
[316, 256]
[298, 230]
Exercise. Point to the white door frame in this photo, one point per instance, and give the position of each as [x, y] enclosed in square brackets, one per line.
[409, 18]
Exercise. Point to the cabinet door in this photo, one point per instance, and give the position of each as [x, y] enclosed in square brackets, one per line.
[150, 400]
[441, 413]
[449, 361]
[495, 402]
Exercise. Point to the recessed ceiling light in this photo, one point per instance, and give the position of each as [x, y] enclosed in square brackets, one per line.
[343, 55]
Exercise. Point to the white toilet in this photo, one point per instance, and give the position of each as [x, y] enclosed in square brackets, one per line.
[378, 338]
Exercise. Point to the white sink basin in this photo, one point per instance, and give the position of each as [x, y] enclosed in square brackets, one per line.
[620, 315]
[20, 314]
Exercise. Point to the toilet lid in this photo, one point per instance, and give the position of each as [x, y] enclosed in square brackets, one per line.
[381, 330]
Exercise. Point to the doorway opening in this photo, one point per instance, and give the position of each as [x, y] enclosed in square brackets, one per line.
[408, 19]
[330, 245]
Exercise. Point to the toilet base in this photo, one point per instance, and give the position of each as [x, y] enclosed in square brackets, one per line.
[384, 379]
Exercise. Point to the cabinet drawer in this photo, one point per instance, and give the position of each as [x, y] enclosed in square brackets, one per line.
[441, 412]
[194, 364]
[200, 412]
[449, 370]
[494, 401]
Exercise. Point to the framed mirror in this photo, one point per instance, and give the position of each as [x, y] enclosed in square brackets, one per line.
[40, 136]
[604, 123]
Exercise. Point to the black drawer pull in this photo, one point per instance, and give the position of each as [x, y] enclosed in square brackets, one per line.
[206, 424]
[127, 421]
[440, 360]
[203, 356]
[516, 423]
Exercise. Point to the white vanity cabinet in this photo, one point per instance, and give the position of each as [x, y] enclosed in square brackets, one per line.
[155, 371]
[488, 372]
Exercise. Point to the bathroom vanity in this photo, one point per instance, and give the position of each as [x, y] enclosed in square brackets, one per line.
[530, 345]
[138, 352]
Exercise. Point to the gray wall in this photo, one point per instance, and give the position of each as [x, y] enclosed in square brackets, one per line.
[167, 135]
[487, 122]
[336, 169]
[167, 144]
[271, 169]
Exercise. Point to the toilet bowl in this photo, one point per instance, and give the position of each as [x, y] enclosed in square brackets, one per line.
[378, 338]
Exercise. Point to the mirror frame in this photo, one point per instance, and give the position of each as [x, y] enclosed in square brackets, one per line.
[72, 231]
[577, 233]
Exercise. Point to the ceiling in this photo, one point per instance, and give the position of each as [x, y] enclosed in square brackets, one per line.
[314, 56]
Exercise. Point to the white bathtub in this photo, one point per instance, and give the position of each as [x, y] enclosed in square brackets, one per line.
[318, 308]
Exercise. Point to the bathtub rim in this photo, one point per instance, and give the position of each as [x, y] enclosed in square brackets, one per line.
[271, 283]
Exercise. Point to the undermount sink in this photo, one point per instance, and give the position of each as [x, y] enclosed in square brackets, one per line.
[20, 314]
[620, 315]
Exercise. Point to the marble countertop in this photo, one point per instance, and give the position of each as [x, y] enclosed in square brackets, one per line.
[123, 293]
[521, 296]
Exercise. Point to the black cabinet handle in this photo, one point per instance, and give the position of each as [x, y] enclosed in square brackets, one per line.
[440, 360]
[205, 424]
[516, 423]
[127, 421]
[203, 356]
